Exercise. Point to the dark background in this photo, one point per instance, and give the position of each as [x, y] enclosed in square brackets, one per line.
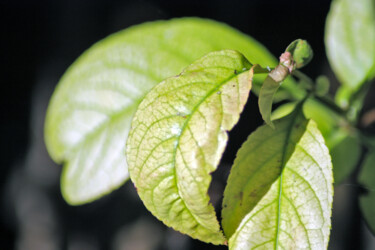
[40, 39]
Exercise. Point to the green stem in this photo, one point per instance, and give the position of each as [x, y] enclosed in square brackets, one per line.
[303, 78]
[328, 102]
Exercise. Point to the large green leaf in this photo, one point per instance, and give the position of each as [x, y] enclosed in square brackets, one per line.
[258, 164]
[89, 115]
[344, 147]
[178, 135]
[350, 41]
[295, 212]
[367, 200]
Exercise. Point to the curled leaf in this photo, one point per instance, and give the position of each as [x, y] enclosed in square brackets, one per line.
[178, 135]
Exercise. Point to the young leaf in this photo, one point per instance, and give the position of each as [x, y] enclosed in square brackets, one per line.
[266, 94]
[295, 212]
[258, 164]
[367, 200]
[178, 135]
[301, 52]
[271, 85]
[350, 41]
[89, 115]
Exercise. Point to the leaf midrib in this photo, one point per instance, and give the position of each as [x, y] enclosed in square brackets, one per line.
[111, 119]
[185, 124]
[283, 161]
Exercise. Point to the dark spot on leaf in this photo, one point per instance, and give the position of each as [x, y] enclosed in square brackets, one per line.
[253, 193]
[235, 72]
[234, 85]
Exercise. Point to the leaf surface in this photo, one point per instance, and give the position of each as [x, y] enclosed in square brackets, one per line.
[344, 147]
[295, 212]
[258, 165]
[350, 41]
[345, 156]
[178, 135]
[266, 95]
[367, 200]
[89, 115]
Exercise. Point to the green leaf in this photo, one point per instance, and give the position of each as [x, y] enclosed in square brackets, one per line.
[367, 200]
[328, 121]
[345, 156]
[277, 76]
[367, 205]
[89, 115]
[350, 41]
[344, 147]
[252, 176]
[266, 94]
[322, 85]
[178, 136]
[367, 175]
[295, 212]
[301, 52]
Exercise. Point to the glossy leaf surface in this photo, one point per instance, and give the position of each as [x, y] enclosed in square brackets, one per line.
[178, 135]
[295, 213]
[89, 115]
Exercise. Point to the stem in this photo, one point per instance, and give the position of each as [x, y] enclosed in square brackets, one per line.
[303, 78]
[328, 102]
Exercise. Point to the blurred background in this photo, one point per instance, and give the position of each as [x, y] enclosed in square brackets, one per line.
[40, 39]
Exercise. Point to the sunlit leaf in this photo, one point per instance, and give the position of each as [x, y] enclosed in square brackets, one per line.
[327, 120]
[350, 41]
[89, 115]
[258, 164]
[367, 200]
[178, 136]
[344, 147]
[295, 212]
